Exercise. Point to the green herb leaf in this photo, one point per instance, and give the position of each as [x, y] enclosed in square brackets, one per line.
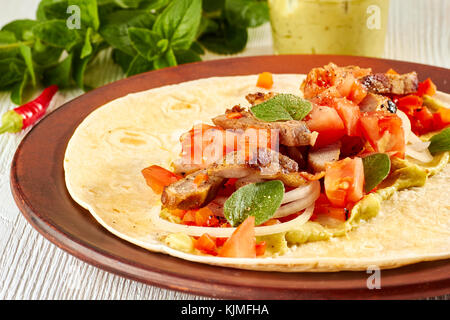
[17, 90]
[146, 42]
[122, 59]
[11, 71]
[44, 55]
[56, 33]
[246, 13]
[114, 29]
[52, 9]
[227, 39]
[87, 46]
[282, 107]
[168, 59]
[440, 142]
[213, 5]
[179, 22]
[9, 46]
[25, 51]
[376, 168]
[61, 74]
[139, 65]
[89, 13]
[187, 56]
[21, 28]
[260, 200]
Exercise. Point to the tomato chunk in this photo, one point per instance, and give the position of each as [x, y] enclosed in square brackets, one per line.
[350, 114]
[204, 217]
[206, 244]
[384, 132]
[326, 121]
[441, 118]
[157, 178]
[324, 206]
[242, 243]
[426, 87]
[344, 181]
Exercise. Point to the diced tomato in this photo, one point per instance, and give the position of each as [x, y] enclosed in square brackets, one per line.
[206, 244]
[344, 181]
[178, 212]
[157, 178]
[204, 217]
[260, 248]
[242, 243]
[441, 118]
[423, 121]
[357, 93]
[220, 242]
[409, 101]
[350, 114]
[326, 121]
[265, 80]
[384, 132]
[189, 218]
[323, 206]
[426, 87]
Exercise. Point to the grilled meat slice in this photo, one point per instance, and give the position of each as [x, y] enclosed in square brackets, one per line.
[291, 133]
[263, 164]
[187, 194]
[375, 102]
[258, 97]
[391, 83]
[318, 158]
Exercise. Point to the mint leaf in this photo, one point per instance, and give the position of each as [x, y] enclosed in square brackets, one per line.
[246, 13]
[87, 46]
[8, 44]
[89, 13]
[225, 39]
[138, 65]
[145, 42]
[11, 71]
[61, 74]
[56, 34]
[179, 22]
[282, 107]
[376, 168]
[168, 59]
[440, 142]
[260, 200]
[21, 28]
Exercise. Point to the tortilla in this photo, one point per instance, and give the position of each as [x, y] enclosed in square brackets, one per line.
[107, 152]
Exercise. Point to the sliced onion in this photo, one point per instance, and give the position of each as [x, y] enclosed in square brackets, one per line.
[419, 146]
[298, 193]
[422, 156]
[406, 124]
[302, 203]
[227, 232]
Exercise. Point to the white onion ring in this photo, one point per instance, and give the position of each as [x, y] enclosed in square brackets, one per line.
[298, 193]
[422, 156]
[227, 232]
[305, 200]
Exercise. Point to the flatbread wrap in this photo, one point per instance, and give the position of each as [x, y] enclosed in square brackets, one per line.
[345, 172]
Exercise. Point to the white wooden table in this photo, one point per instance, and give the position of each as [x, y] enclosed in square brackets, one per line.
[33, 268]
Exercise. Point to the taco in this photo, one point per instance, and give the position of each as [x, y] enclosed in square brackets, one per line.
[339, 169]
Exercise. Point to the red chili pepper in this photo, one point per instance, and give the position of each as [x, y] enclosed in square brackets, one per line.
[26, 115]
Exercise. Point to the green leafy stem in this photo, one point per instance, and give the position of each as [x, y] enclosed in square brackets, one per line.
[142, 35]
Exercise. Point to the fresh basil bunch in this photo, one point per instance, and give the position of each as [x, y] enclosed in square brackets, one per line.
[143, 34]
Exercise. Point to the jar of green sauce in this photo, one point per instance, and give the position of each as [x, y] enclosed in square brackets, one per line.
[347, 27]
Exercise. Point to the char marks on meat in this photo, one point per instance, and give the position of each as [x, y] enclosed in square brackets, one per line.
[263, 164]
[259, 97]
[400, 84]
[291, 133]
[376, 102]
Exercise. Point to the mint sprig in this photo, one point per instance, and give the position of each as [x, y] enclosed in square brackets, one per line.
[260, 200]
[282, 107]
[376, 168]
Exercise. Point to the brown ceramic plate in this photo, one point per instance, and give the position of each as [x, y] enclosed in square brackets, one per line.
[37, 181]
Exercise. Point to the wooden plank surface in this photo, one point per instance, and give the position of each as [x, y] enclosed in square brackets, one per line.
[33, 268]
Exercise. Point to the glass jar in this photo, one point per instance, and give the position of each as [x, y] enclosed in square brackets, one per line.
[347, 27]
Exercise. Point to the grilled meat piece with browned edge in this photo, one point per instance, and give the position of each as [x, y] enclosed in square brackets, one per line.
[292, 133]
[377, 102]
[382, 83]
[186, 194]
[318, 158]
